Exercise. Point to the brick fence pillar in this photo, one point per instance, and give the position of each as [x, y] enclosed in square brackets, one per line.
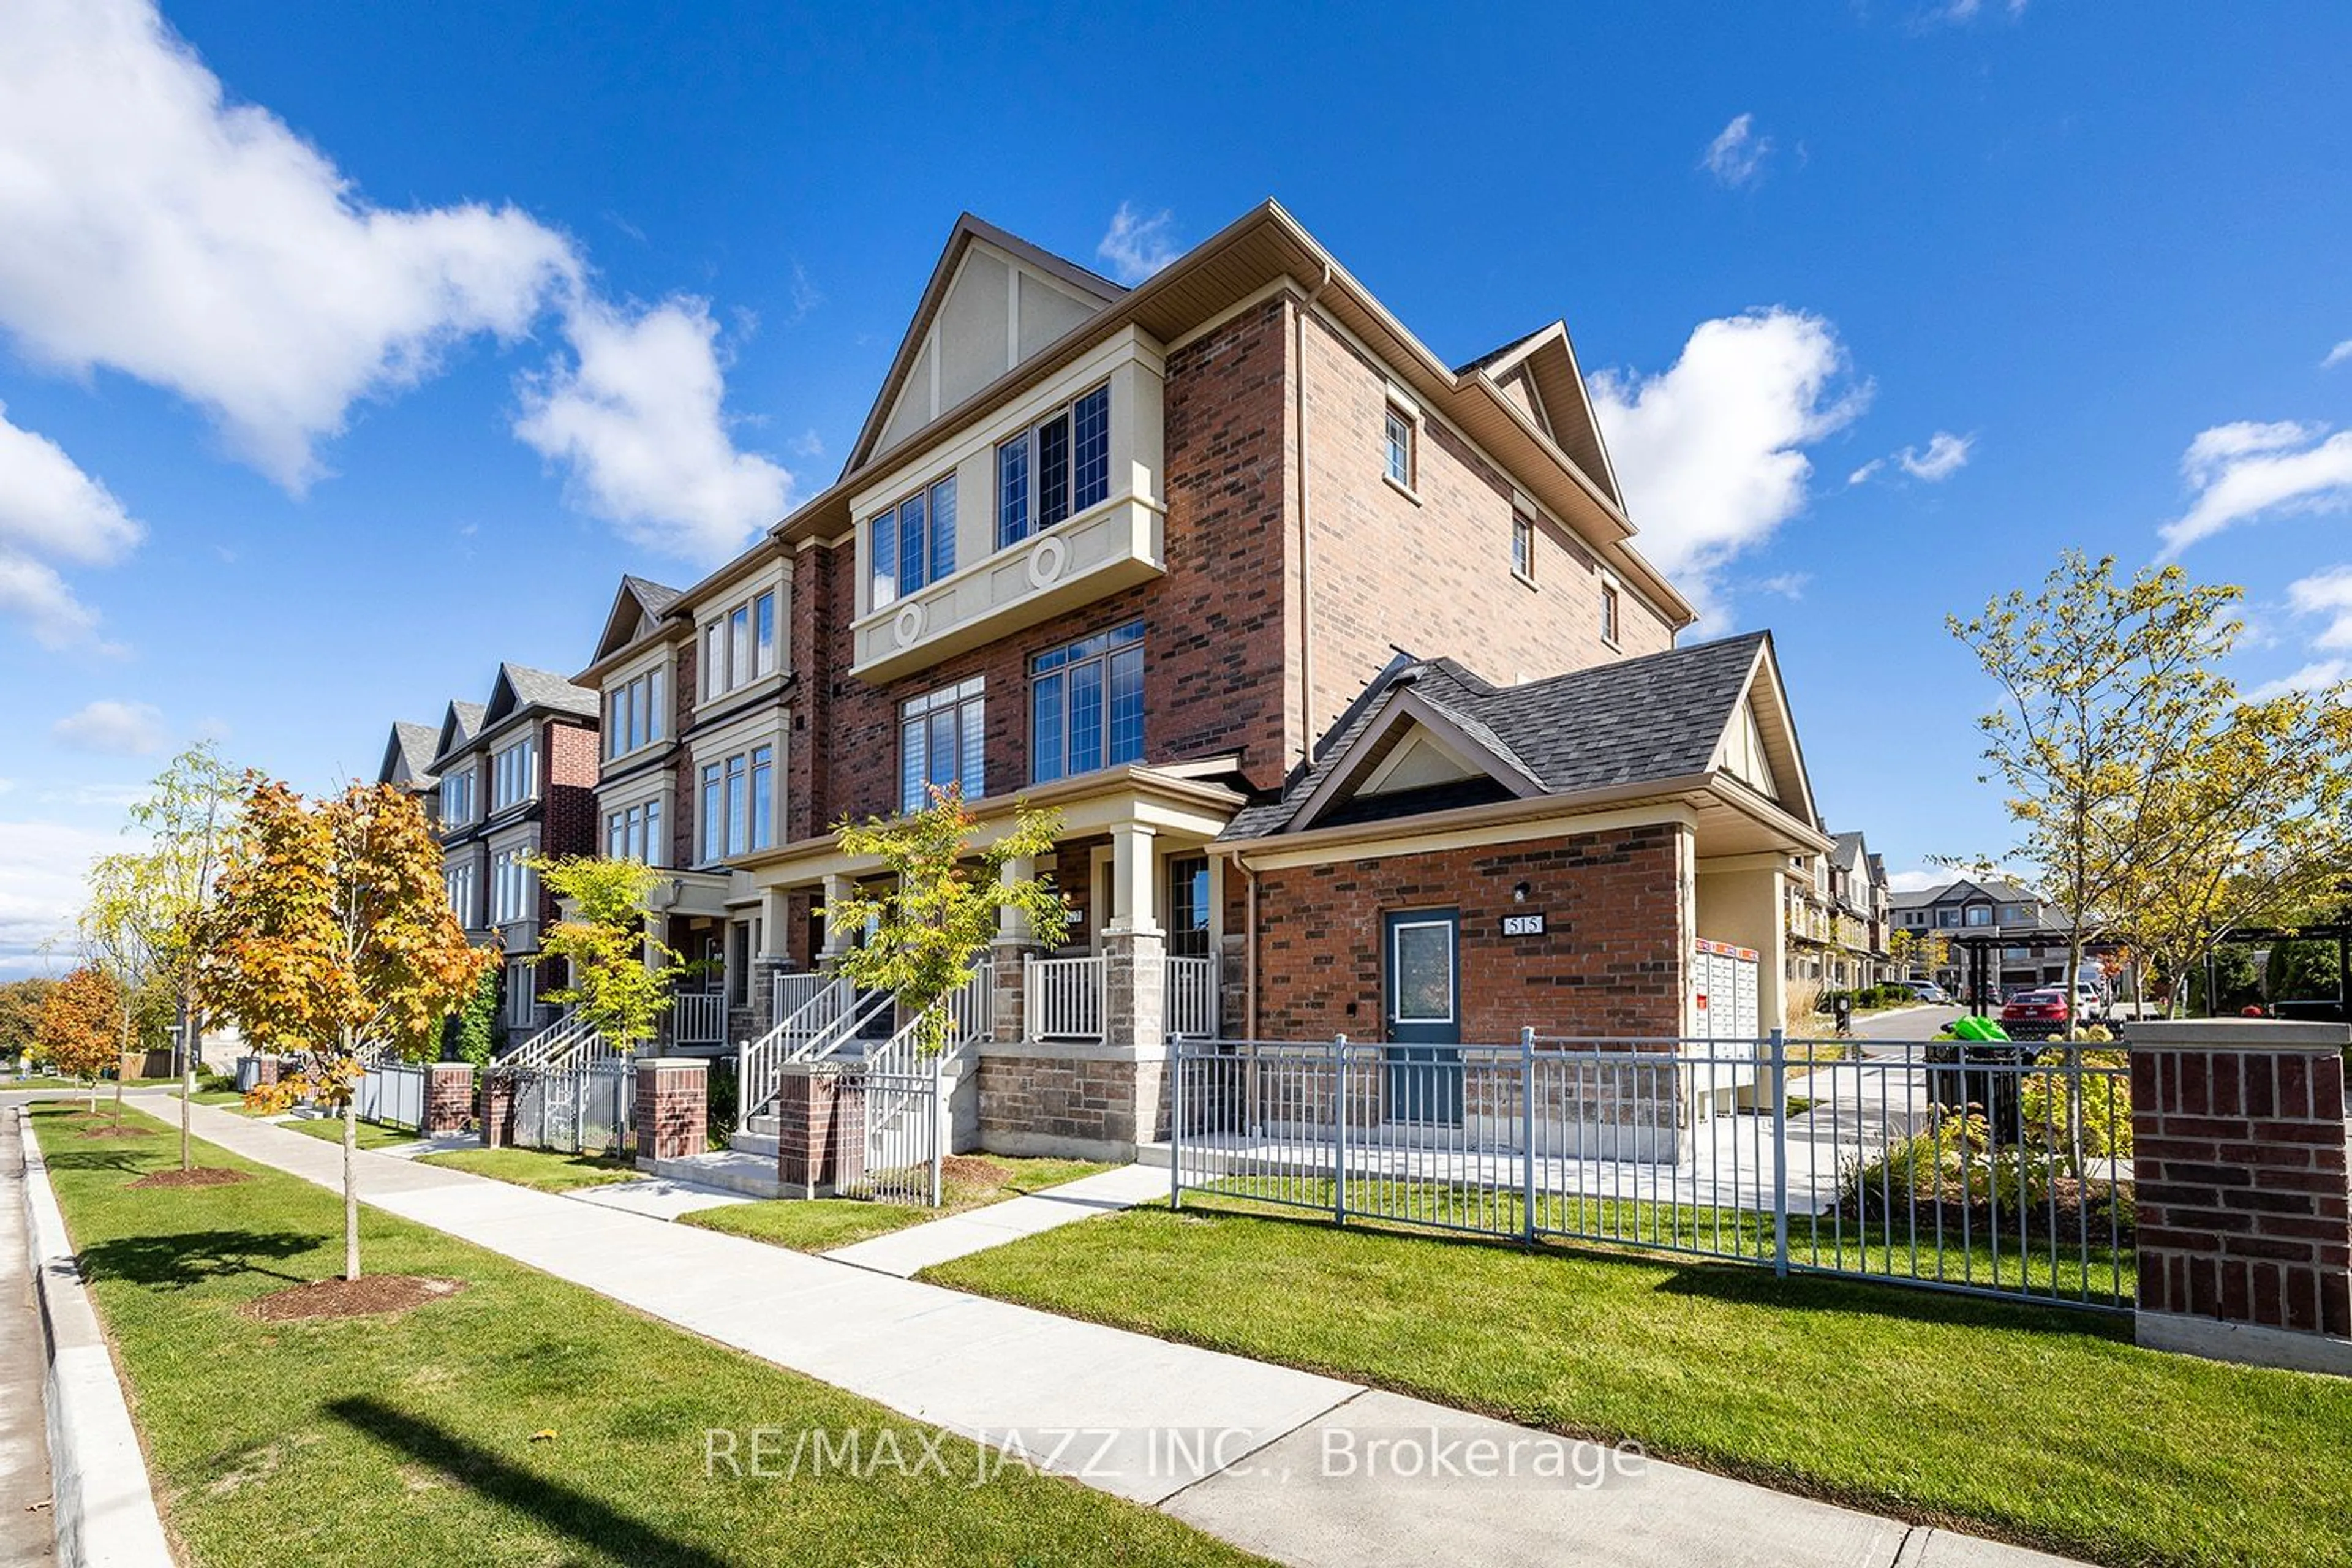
[2242, 1169]
[820, 1129]
[448, 1098]
[498, 1108]
[673, 1111]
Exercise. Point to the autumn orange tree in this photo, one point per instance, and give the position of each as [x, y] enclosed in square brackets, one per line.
[331, 935]
[77, 1031]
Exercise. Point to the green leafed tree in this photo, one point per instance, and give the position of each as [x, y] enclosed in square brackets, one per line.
[619, 976]
[929, 924]
[186, 820]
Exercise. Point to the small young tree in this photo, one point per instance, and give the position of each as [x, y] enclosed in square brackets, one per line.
[20, 1014]
[331, 932]
[2107, 687]
[941, 913]
[79, 1028]
[185, 817]
[620, 977]
[125, 929]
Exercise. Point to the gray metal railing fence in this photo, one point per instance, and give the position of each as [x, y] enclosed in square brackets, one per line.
[1995, 1169]
[579, 1107]
[904, 1149]
[392, 1093]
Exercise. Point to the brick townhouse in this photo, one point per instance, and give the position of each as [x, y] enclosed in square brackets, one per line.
[1358, 708]
[511, 778]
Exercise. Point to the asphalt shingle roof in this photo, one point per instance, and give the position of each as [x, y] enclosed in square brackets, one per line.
[1653, 718]
[542, 688]
[416, 744]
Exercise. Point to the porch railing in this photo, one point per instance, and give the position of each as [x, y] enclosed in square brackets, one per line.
[698, 1019]
[2000, 1169]
[1062, 998]
[556, 1039]
[794, 992]
[829, 1019]
[1191, 995]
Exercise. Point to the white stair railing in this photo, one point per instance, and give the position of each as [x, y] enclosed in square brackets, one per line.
[831, 1017]
[555, 1040]
[1062, 998]
[1191, 997]
[794, 992]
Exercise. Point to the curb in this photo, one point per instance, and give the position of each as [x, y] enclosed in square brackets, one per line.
[106, 1515]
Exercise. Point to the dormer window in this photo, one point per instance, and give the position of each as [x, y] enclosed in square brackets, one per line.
[913, 544]
[1054, 470]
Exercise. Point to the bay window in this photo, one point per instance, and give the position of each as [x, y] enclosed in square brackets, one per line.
[1086, 705]
[739, 804]
[514, 773]
[740, 646]
[635, 834]
[457, 798]
[459, 881]
[1057, 468]
[942, 743]
[912, 544]
[514, 888]
[633, 712]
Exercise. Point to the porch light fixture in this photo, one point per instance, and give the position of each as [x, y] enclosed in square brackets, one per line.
[1519, 894]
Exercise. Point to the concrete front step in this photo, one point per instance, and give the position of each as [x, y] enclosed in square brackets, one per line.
[737, 1169]
[764, 1145]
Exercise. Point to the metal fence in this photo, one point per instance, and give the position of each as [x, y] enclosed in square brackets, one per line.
[392, 1093]
[2001, 1170]
[1063, 998]
[576, 1107]
[905, 1146]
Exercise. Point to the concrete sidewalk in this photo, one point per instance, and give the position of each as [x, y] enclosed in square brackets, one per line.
[1277, 1460]
[907, 1252]
[27, 1532]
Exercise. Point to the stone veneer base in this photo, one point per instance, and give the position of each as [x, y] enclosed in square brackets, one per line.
[2249, 1343]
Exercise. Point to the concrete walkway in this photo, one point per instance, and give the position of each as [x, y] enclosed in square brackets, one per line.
[27, 1532]
[1306, 1470]
[907, 1252]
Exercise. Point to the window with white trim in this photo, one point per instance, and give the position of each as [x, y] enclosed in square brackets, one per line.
[1055, 469]
[739, 647]
[739, 804]
[635, 833]
[1523, 545]
[942, 743]
[633, 712]
[522, 993]
[457, 797]
[1086, 705]
[514, 888]
[1609, 612]
[514, 773]
[912, 545]
[459, 881]
[1400, 453]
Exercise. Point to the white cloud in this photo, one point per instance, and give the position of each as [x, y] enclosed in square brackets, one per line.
[2245, 470]
[1959, 11]
[2316, 676]
[49, 508]
[1711, 452]
[1918, 881]
[2337, 355]
[1735, 156]
[2327, 592]
[112, 728]
[1788, 585]
[638, 415]
[1866, 471]
[42, 868]
[1136, 246]
[149, 226]
[1945, 455]
[36, 595]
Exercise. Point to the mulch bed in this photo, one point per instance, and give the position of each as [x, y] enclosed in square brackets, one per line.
[93, 1127]
[978, 1172]
[201, 1176]
[365, 1296]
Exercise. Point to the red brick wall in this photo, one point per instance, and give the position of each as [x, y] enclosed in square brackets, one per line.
[1435, 578]
[684, 800]
[569, 823]
[1213, 645]
[2244, 1197]
[1612, 959]
[672, 1111]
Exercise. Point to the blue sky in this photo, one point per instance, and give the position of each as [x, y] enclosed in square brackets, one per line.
[347, 349]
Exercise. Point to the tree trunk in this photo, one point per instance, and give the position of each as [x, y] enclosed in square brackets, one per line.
[350, 1171]
[187, 1075]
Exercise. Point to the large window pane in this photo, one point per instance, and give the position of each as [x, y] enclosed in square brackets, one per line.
[943, 527]
[913, 755]
[1053, 470]
[657, 846]
[738, 824]
[739, 647]
[1086, 717]
[714, 838]
[1090, 454]
[883, 545]
[912, 555]
[763, 784]
[1127, 705]
[1012, 492]
[763, 615]
[1046, 732]
[659, 684]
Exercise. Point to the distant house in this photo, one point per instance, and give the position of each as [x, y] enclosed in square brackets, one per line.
[1838, 918]
[2026, 936]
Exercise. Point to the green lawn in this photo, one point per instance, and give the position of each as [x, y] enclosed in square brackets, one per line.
[409, 1440]
[369, 1134]
[541, 1168]
[2040, 1424]
[820, 1224]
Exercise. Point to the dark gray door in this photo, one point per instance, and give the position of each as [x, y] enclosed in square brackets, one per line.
[1422, 963]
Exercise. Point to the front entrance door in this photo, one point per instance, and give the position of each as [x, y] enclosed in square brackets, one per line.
[1423, 1002]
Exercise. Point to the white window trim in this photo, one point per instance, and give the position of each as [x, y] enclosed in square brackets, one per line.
[1410, 486]
[661, 713]
[745, 598]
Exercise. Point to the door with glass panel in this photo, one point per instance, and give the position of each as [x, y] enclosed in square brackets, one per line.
[1422, 970]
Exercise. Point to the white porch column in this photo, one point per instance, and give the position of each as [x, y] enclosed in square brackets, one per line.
[1134, 882]
[836, 938]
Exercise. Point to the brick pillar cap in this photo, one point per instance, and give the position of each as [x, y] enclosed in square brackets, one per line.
[2236, 1035]
[700, 1064]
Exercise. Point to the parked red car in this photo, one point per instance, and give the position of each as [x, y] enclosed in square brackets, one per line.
[2035, 1014]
